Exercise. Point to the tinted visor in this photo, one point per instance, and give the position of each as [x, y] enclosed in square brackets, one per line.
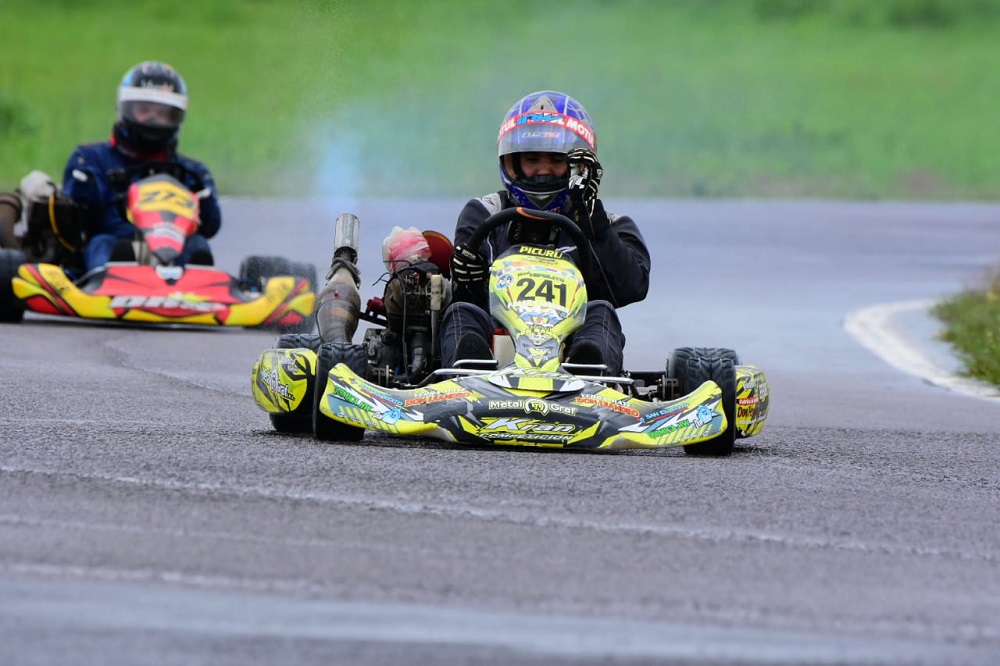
[152, 114]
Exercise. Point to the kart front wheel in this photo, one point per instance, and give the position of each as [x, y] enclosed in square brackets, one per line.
[692, 367]
[288, 424]
[329, 355]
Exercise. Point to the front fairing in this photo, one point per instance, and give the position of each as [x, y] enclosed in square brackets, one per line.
[165, 214]
[163, 294]
[538, 295]
[523, 407]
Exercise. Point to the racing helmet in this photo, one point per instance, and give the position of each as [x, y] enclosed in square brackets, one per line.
[545, 122]
[151, 104]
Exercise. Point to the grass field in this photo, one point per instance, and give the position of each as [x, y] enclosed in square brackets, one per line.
[972, 320]
[692, 98]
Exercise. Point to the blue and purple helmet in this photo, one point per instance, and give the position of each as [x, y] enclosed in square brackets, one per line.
[544, 122]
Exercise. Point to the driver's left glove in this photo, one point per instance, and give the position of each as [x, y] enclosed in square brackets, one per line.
[584, 180]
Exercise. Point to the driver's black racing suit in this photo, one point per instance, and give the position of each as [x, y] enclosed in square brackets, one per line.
[616, 275]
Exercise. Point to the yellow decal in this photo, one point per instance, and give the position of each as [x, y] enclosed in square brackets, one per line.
[166, 196]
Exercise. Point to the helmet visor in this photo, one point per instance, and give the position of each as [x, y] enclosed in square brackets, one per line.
[153, 114]
[151, 106]
[543, 132]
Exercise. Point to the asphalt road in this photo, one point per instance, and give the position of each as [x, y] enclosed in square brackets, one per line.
[148, 514]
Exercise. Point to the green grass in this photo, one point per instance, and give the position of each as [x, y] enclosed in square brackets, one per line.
[814, 98]
[972, 321]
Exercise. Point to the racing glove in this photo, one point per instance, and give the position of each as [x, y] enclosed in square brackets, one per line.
[584, 180]
[468, 274]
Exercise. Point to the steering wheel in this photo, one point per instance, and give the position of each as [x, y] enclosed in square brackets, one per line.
[529, 216]
[120, 179]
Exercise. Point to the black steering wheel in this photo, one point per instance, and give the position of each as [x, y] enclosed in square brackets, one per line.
[538, 217]
[120, 179]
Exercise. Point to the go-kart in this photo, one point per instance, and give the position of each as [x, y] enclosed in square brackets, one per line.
[147, 284]
[703, 400]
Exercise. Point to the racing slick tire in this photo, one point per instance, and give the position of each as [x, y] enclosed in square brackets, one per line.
[256, 270]
[693, 366]
[11, 307]
[298, 341]
[302, 269]
[329, 355]
[299, 420]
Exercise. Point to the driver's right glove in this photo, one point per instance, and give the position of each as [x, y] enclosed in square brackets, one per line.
[468, 274]
[585, 178]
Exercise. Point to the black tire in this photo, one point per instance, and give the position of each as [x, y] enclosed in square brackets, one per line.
[11, 307]
[292, 423]
[298, 270]
[256, 269]
[298, 341]
[303, 269]
[691, 367]
[728, 353]
[329, 355]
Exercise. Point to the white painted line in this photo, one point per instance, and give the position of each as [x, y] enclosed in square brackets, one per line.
[873, 328]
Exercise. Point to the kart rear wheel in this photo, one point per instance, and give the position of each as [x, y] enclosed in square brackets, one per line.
[298, 341]
[11, 307]
[255, 270]
[302, 270]
[329, 355]
[693, 366]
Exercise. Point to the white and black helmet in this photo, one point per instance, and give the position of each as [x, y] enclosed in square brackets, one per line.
[152, 102]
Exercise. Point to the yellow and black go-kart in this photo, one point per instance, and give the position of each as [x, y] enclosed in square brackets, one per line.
[149, 286]
[703, 400]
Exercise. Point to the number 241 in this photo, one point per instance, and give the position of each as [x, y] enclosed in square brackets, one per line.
[544, 290]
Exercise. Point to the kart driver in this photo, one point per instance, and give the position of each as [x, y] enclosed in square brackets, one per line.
[151, 104]
[548, 162]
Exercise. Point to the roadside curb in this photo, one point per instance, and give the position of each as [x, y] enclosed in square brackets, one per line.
[904, 335]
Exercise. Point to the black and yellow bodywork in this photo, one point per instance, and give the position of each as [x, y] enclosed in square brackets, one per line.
[512, 406]
[703, 400]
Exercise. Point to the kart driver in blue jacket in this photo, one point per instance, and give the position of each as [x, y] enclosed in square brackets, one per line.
[548, 162]
[151, 104]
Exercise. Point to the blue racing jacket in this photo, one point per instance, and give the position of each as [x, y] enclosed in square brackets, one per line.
[97, 177]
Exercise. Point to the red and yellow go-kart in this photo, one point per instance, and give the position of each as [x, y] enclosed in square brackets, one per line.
[269, 292]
